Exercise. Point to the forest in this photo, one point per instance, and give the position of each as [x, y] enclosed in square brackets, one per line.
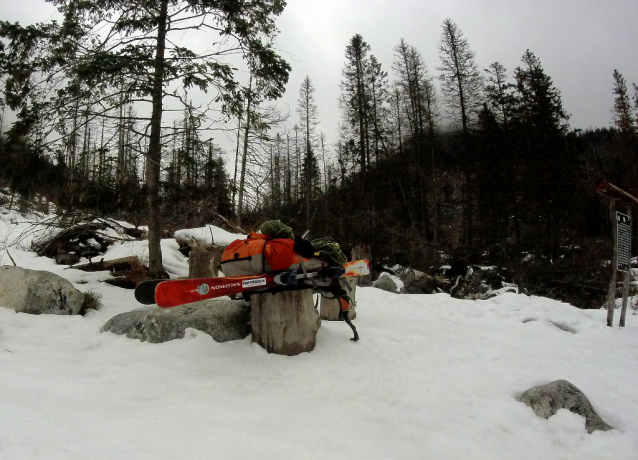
[436, 163]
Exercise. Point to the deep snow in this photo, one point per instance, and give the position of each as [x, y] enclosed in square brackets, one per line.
[432, 377]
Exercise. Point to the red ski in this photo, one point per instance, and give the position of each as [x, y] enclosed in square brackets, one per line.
[172, 293]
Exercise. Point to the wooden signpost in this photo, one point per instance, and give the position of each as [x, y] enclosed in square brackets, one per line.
[621, 224]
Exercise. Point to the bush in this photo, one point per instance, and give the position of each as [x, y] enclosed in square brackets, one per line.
[92, 301]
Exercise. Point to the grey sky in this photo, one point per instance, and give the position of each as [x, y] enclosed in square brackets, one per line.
[579, 42]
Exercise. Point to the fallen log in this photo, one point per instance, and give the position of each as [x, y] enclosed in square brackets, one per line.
[122, 264]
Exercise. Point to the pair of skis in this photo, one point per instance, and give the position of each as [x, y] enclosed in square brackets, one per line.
[171, 293]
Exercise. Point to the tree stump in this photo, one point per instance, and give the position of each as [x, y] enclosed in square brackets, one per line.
[285, 323]
[329, 308]
[204, 261]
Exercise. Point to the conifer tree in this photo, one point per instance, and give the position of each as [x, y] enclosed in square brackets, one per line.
[307, 111]
[418, 90]
[623, 116]
[546, 182]
[461, 85]
[354, 100]
[499, 93]
[461, 82]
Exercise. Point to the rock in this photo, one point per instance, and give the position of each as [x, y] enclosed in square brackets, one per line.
[38, 292]
[223, 320]
[385, 283]
[416, 282]
[67, 258]
[478, 283]
[546, 400]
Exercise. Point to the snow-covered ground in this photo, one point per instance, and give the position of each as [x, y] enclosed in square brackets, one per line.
[431, 378]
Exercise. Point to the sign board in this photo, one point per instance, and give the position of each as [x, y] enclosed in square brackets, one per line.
[623, 241]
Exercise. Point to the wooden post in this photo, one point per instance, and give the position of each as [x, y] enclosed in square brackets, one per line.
[614, 194]
[203, 261]
[625, 286]
[285, 323]
[329, 308]
[611, 297]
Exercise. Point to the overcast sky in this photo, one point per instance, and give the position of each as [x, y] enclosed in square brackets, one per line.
[579, 42]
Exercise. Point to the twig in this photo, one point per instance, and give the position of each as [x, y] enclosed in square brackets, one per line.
[9, 254]
[212, 238]
[231, 225]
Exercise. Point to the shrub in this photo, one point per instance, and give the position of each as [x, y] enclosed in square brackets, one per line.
[92, 301]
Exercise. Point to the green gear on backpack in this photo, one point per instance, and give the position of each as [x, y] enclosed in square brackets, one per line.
[276, 229]
[331, 249]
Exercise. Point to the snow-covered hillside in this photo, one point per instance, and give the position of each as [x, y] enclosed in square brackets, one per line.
[431, 378]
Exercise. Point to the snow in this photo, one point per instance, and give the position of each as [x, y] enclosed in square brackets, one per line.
[209, 235]
[432, 377]
[174, 262]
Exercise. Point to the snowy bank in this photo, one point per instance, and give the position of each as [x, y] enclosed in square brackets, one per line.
[432, 377]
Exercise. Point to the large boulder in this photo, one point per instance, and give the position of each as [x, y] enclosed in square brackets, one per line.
[546, 400]
[38, 292]
[222, 319]
[386, 283]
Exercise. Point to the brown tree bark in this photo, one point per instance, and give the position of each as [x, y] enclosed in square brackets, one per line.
[154, 156]
[285, 323]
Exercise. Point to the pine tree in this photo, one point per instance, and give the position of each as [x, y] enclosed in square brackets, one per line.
[418, 90]
[623, 116]
[377, 84]
[461, 82]
[547, 175]
[354, 100]
[499, 93]
[307, 110]
[461, 85]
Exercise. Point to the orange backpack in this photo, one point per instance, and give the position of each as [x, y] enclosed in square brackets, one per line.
[261, 253]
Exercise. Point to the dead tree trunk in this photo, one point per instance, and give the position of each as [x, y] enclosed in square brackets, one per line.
[285, 323]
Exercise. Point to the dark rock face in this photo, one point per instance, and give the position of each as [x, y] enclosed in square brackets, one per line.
[546, 400]
[223, 320]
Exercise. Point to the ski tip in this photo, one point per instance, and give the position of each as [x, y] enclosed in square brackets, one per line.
[145, 291]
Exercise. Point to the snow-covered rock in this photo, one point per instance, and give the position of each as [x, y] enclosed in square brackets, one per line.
[222, 319]
[37, 292]
[546, 400]
[386, 283]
